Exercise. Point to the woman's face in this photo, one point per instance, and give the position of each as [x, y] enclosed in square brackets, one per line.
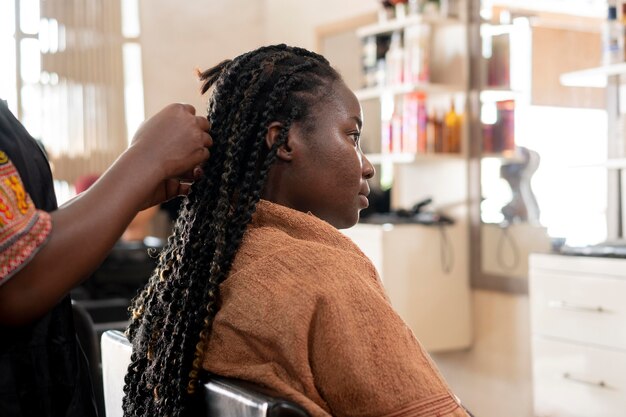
[327, 174]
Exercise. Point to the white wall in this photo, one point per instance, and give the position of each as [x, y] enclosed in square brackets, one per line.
[294, 21]
[178, 37]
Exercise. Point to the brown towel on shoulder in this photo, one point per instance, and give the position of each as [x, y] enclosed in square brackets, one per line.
[304, 313]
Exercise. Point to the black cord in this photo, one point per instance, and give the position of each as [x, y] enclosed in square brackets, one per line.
[505, 236]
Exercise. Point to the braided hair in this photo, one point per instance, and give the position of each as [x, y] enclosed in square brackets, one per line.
[172, 317]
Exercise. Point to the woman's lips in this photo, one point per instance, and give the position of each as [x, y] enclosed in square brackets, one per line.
[364, 201]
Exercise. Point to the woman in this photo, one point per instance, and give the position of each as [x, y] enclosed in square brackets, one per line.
[257, 283]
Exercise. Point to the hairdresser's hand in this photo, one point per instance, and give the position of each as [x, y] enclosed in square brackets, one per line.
[171, 146]
[171, 188]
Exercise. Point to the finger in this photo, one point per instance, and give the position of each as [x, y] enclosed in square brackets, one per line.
[199, 157]
[189, 108]
[184, 189]
[207, 140]
[175, 188]
[203, 123]
[186, 177]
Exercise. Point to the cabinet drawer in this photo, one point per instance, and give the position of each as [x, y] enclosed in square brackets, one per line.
[571, 380]
[585, 308]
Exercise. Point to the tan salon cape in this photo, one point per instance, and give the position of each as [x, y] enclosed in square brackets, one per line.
[304, 313]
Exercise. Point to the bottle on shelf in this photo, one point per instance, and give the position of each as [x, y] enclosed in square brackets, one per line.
[399, 8]
[381, 73]
[499, 136]
[409, 123]
[396, 133]
[449, 8]
[488, 139]
[394, 60]
[387, 12]
[416, 54]
[414, 7]
[422, 123]
[370, 61]
[623, 29]
[498, 61]
[452, 130]
[431, 8]
[612, 38]
[385, 136]
[506, 119]
[435, 132]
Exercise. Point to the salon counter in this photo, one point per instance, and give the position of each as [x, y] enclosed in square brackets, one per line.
[425, 270]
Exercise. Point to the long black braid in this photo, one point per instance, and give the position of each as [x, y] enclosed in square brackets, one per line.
[172, 317]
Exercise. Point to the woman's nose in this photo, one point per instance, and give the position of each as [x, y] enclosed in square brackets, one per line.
[368, 169]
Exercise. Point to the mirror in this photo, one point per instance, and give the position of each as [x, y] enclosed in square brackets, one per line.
[527, 134]
[537, 136]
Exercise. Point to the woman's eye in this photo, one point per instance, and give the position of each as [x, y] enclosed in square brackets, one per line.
[355, 136]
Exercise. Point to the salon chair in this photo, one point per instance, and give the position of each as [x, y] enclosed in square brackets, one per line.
[223, 396]
[87, 336]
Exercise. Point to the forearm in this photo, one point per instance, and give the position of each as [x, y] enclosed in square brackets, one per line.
[83, 232]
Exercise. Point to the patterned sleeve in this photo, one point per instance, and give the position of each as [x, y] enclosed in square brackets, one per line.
[23, 228]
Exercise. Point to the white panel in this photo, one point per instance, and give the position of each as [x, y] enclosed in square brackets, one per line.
[413, 262]
[578, 381]
[583, 308]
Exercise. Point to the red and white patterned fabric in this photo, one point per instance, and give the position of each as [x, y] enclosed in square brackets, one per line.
[23, 228]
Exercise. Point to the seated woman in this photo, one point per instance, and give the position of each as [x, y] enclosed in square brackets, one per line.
[256, 282]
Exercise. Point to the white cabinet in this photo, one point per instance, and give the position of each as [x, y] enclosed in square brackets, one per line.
[578, 322]
[425, 274]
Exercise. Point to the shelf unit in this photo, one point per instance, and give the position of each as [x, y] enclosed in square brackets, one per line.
[410, 158]
[593, 77]
[393, 25]
[493, 94]
[388, 95]
[609, 77]
[374, 93]
[406, 253]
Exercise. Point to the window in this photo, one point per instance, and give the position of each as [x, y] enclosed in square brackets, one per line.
[72, 74]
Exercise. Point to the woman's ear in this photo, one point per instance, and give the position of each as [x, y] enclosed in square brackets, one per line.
[284, 151]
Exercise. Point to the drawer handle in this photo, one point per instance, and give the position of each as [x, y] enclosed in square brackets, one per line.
[564, 305]
[599, 384]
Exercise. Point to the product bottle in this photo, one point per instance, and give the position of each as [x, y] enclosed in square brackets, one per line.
[452, 130]
[504, 129]
[431, 8]
[409, 123]
[399, 8]
[623, 19]
[438, 132]
[381, 73]
[395, 60]
[414, 7]
[387, 12]
[385, 146]
[396, 133]
[412, 55]
[369, 61]
[612, 39]
[424, 58]
[488, 146]
[422, 123]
